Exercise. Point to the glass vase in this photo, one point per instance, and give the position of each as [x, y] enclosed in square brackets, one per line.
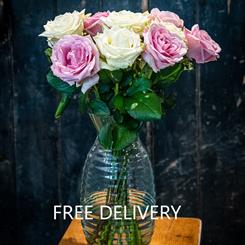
[118, 188]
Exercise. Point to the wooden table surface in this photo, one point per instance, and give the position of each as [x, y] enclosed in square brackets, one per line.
[183, 231]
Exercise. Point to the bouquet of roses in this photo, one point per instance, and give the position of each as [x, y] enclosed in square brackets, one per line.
[119, 65]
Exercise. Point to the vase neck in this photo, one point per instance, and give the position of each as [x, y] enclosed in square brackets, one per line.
[99, 122]
[129, 150]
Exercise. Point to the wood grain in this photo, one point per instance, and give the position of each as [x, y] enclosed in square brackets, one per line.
[7, 157]
[183, 231]
[176, 142]
[223, 124]
[198, 147]
[34, 125]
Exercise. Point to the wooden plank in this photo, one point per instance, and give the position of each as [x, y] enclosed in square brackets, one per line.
[122, 5]
[175, 136]
[183, 231]
[223, 124]
[8, 230]
[40, 151]
[35, 129]
[69, 6]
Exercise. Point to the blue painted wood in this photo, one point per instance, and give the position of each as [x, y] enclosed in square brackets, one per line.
[198, 148]
[201, 152]
[34, 125]
[223, 124]
[68, 6]
[120, 5]
[8, 230]
[175, 135]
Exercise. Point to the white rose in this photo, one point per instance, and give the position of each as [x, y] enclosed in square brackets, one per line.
[66, 24]
[172, 28]
[127, 19]
[119, 48]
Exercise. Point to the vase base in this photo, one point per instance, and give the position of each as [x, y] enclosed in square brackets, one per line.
[116, 224]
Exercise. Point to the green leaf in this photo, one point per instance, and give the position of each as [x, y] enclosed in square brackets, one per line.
[83, 102]
[99, 108]
[116, 75]
[105, 76]
[103, 87]
[131, 123]
[60, 85]
[48, 52]
[122, 137]
[144, 106]
[117, 137]
[118, 117]
[147, 71]
[118, 102]
[64, 102]
[105, 136]
[169, 75]
[140, 84]
[127, 79]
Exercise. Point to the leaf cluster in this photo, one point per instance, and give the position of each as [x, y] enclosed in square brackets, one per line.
[126, 97]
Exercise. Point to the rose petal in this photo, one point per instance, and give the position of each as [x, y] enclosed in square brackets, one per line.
[89, 82]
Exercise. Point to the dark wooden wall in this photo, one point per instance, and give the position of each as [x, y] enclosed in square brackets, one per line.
[197, 150]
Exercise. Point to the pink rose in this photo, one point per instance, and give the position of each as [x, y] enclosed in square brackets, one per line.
[201, 47]
[93, 24]
[76, 60]
[166, 16]
[163, 48]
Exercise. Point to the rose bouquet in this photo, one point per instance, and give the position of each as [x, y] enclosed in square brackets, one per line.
[118, 65]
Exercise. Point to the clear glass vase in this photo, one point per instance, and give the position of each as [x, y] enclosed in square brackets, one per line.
[119, 188]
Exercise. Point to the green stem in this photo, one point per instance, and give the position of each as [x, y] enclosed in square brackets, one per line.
[64, 102]
[118, 195]
[116, 88]
[96, 91]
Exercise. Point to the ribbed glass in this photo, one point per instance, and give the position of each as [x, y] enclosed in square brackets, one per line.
[123, 178]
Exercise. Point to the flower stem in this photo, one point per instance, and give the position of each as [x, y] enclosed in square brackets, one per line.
[116, 89]
[96, 91]
[118, 194]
